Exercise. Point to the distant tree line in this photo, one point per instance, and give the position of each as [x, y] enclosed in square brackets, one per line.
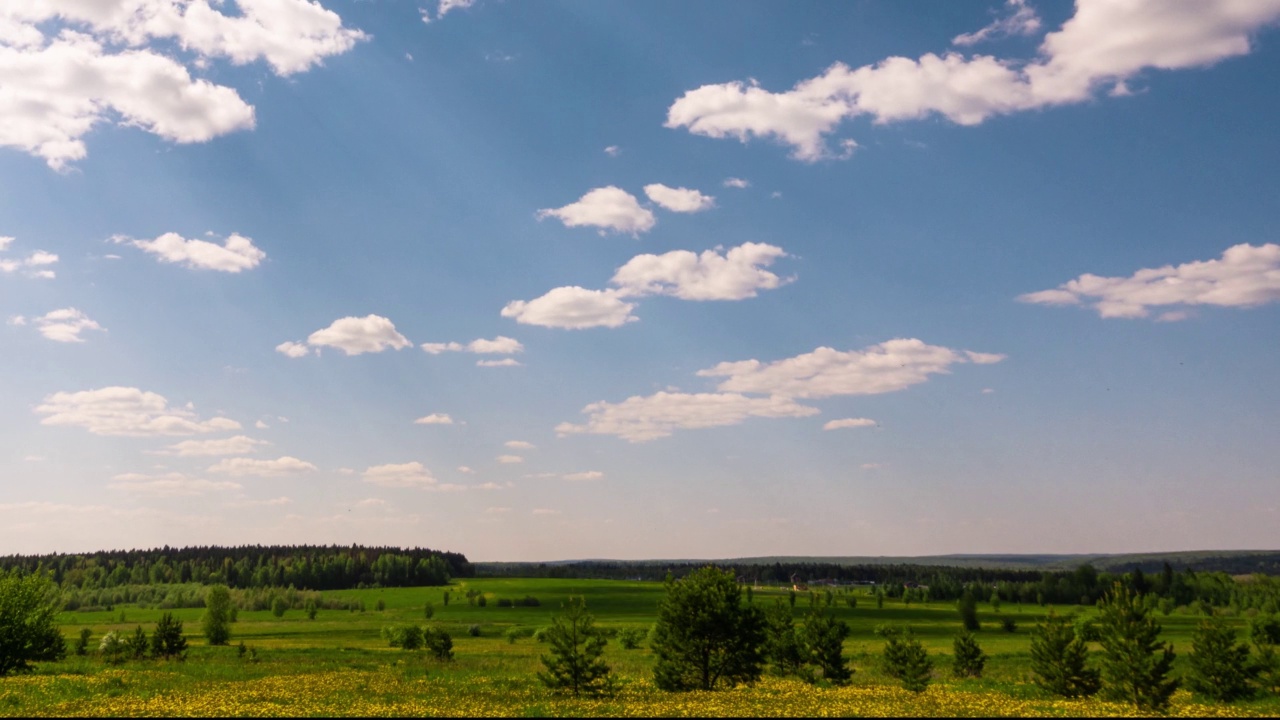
[251, 566]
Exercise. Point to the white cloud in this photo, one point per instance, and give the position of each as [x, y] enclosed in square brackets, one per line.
[886, 367]
[434, 419]
[465, 469]
[638, 419]
[53, 91]
[125, 411]
[292, 349]
[1103, 45]
[261, 425]
[849, 423]
[1021, 20]
[505, 362]
[168, 485]
[519, 445]
[572, 308]
[411, 474]
[608, 208]
[235, 254]
[37, 262]
[5, 242]
[612, 151]
[444, 7]
[734, 182]
[682, 200]
[582, 476]
[280, 467]
[500, 345]
[510, 459]
[238, 445]
[736, 275]
[65, 325]
[353, 335]
[1245, 276]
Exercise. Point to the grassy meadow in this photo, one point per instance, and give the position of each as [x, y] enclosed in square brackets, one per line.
[338, 663]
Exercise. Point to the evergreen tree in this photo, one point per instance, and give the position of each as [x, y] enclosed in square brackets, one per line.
[1059, 659]
[575, 662]
[1135, 664]
[167, 640]
[967, 657]
[1220, 668]
[822, 639]
[705, 636]
[781, 646]
[216, 623]
[82, 642]
[905, 660]
[967, 606]
[137, 644]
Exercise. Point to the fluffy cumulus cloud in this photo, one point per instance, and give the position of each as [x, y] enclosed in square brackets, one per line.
[444, 7]
[739, 183]
[519, 445]
[237, 445]
[500, 345]
[584, 476]
[434, 419]
[125, 411]
[68, 65]
[510, 459]
[351, 335]
[849, 423]
[36, 264]
[736, 275]
[65, 325]
[169, 485]
[607, 208]
[1103, 45]
[642, 418]
[1245, 276]
[886, 367]
[572, 308]
[681, 200]
[1020, 19]
[403, 475]
[280, 467]
[235, 254]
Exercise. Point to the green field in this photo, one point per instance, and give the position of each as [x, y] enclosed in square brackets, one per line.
[338, 664]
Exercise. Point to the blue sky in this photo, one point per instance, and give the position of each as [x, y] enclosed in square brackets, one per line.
[589, 279]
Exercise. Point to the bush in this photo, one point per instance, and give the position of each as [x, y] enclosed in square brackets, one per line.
[505, 603]
[429, 611]
[382, 605]
[473, 631]
[439, 643]
[906, 660]
[1008, 625]
[311, 609]
[406, 637]
[278, 606]
[112, 648]
[481, 600]
[540, 635]
[530, 601]
[29, 631]
[1058, 659]
[630, 638]
[1220, 668]
[968, 660]
[967, 607]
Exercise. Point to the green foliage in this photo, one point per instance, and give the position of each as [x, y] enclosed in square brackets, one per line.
[473, 630]
[906, 660]
[29, 632]
[311, 608]
[781, 644]
[446, 598]
[1008, 624]
[167, 640]
[439, 643]
[575, 663]
[851, 601]
[705, 637]
[1264, 632]
[82, 642]
[137, 644]
[407, 637]
[278, 607]
[967, 658]
[382, 605]
[1135, 665]
[967, 606]
[216, 623]
[1221, 669]
[113, 648]
[1059, 659]
[822, 638]
[630, 638]
[429, 611]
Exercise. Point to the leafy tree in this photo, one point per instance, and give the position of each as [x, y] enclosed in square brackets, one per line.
[167, 640]
[1059, 659]
[781, 646]
[968, 660]
[411, 637]
[967, 606]
[216, 623]
[575, 662]
[1135, 665]
[1264, 632]
[29, 604]
[438, 642]
[822, 639]
[705, 636]
[278, 606]
[1220, 668]
[905, 660]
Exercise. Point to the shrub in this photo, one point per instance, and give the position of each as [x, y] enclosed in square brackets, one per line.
[311, 609]
[906, 660]
[439, 643]
[1058, 659]
[968, 660]
[278, 606]
[967, 606]
[540, 635]
[1008, 625]
[481, 600]
[505, 603]
[473, 630]
[1220, 668]
[530, 601]
[630, 638]
[113, 648]
[429, 611]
